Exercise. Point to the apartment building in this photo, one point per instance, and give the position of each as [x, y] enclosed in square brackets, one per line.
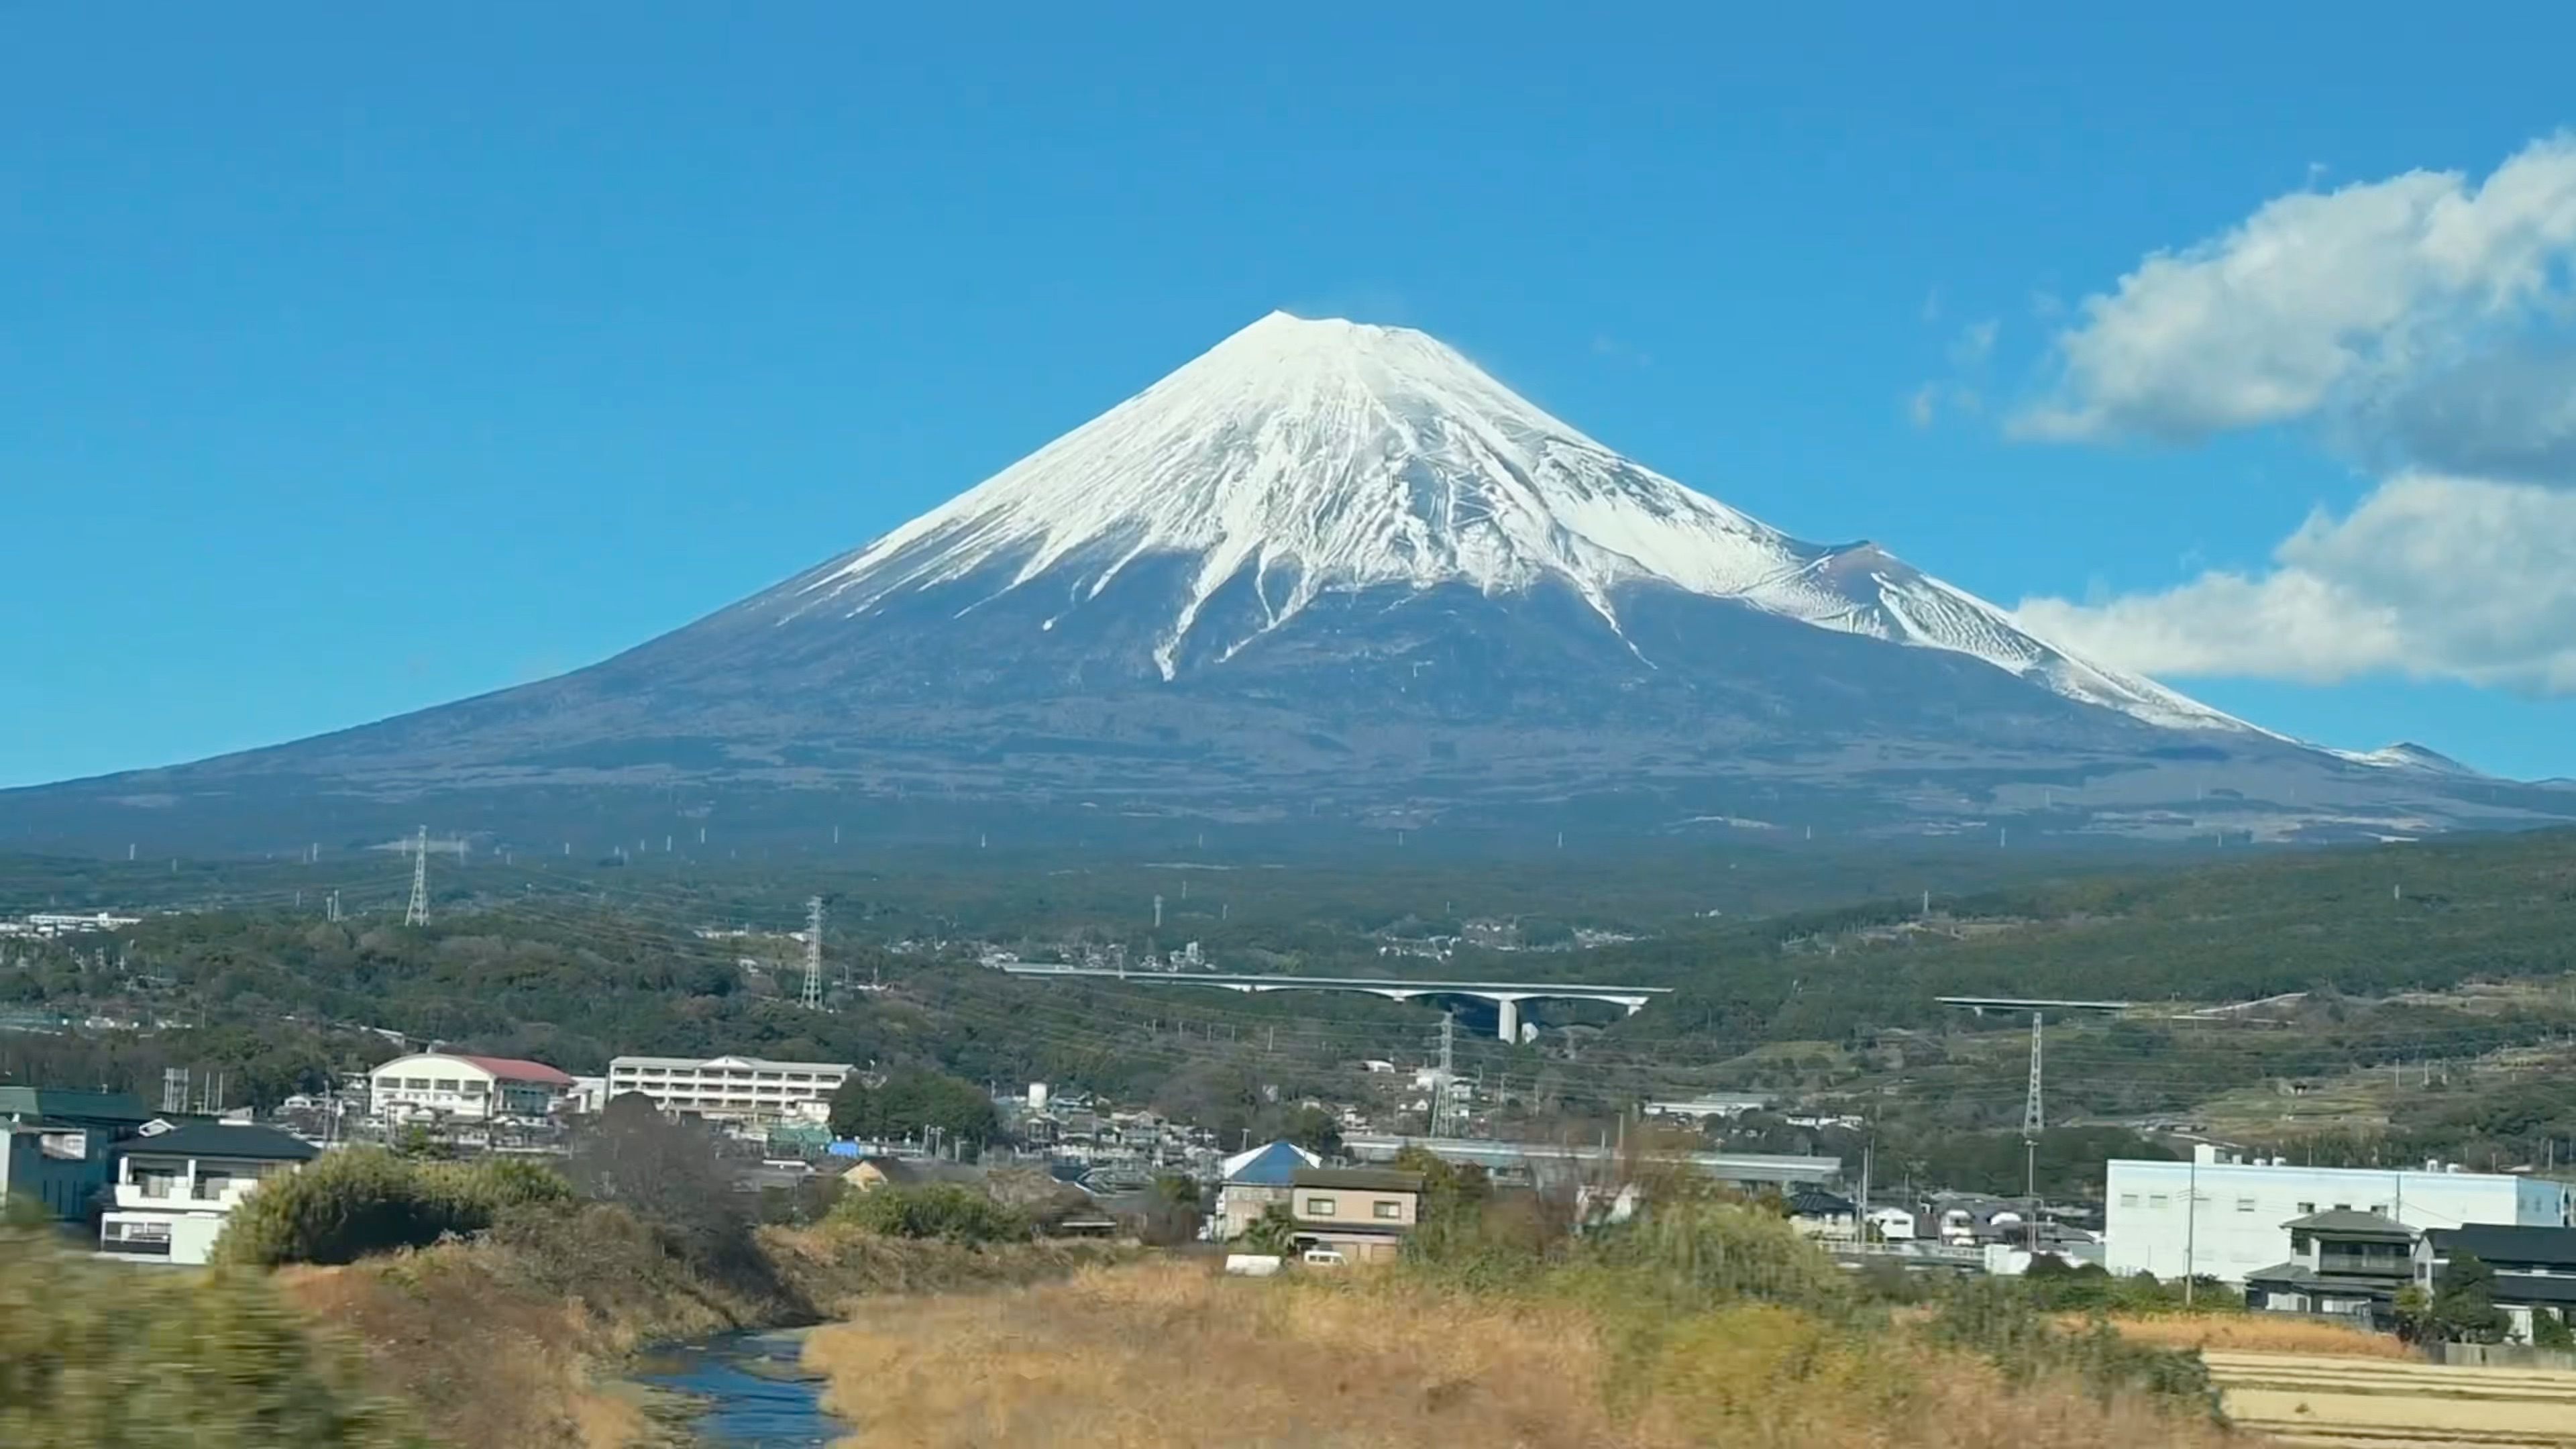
[730, 1088]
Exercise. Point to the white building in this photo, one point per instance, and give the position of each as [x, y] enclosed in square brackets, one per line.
[471, 1089]
[2217, 1218]
[176, 1187]
[742, 1088]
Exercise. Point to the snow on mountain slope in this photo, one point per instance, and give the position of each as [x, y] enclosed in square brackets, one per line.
[1318, 456]
[2407, 755]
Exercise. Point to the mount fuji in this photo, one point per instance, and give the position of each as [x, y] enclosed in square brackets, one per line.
[1333, 571]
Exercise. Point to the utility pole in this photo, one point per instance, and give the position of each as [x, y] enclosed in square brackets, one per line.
[417, 913]
[2033, 1122]
[813, 999]
[1158, 913]
[2191, 1228]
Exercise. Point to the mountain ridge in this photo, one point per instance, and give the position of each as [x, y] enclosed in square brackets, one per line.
[1338, 572]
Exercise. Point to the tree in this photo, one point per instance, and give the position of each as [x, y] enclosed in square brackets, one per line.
[2550, 1330]
[1273, 1234]
[1316, 1130]
[666, 1173]
[2463, 1307]
[912, 1104]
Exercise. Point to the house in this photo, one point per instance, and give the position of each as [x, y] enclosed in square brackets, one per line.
[56, 1151]
[1250, 1181]
[1353, 1214]
[872, 1173]
[2341, 1262]
[2535, 1267]
[465, 1088]
[1816, 1213]
[177, 1185]
[2215, 1217]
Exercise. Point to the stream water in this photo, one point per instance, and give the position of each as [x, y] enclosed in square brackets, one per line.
[755, 1392]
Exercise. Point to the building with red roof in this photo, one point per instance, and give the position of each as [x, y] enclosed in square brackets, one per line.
[458, 1087]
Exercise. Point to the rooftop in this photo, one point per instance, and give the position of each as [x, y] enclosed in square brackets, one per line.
[2347, 1223]
[1356, 1179]
[758, 1064]
[2498, 1243]
[223, 1139]
[56, 1104]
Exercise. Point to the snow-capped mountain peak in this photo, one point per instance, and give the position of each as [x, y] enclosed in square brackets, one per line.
[1314, 456]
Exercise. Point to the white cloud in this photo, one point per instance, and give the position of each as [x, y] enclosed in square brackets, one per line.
[2320, 302]
[1919, 408]
[1975, 344]
[2431, 577]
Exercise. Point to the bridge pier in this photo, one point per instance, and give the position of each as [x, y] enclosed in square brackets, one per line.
[1508, 1009]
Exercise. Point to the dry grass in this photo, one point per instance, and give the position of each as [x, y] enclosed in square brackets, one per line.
[1166, 1355]
[2260, 1333]
[2313, 1400]
[513, 1343]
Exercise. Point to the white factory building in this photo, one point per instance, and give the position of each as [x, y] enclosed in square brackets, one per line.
[464, 1088]
[729, 1087]
[2217, 1217]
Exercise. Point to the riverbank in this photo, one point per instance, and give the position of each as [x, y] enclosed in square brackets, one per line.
[1118, 1358]
[522, 1337]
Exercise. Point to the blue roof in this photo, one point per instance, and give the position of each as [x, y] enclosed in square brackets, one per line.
[1278, 1162]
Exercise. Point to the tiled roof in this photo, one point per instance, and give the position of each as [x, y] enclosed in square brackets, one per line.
[2345, 1222]
[520, 1069]
[2498, 1243]
[1272, 1166]
[223, 1139]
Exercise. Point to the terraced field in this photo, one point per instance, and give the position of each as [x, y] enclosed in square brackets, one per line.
[2370, 1403]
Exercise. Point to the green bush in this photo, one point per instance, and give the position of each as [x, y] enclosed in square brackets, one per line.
[107, 1356]
[1997, 1319]
[936, 1210]
[360, 1200]
[1702, 1253]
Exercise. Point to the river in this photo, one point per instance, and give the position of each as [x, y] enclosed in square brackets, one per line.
[754, 1390]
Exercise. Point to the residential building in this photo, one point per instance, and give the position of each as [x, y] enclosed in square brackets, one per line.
[56, 1146]
[1360, 1214]
[464, 1088]
[872, 1173]
[2341, 1262]
[1250, 1181]
[2535, 1267]
[730, 1087]
[177, 1185]
[1816, 1213]
[2214, 1217]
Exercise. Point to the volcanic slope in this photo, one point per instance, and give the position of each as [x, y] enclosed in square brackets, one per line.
[1336, 571]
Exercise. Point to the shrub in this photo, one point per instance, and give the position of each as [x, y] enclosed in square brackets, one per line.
[1995, 1319]
[361, 1200]
[94, 1354]
[935, 1210]
[1702, 1253]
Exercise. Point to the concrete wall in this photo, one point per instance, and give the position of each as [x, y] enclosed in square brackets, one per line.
[2241, 1206]
[1354, 1207]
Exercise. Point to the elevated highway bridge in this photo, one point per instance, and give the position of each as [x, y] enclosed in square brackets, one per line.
[1506, 996]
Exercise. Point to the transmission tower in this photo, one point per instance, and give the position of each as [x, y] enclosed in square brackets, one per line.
[813, 1000]
[417, 913]
[1444, 1111]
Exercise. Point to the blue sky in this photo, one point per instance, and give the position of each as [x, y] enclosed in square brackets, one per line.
[352, 363]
